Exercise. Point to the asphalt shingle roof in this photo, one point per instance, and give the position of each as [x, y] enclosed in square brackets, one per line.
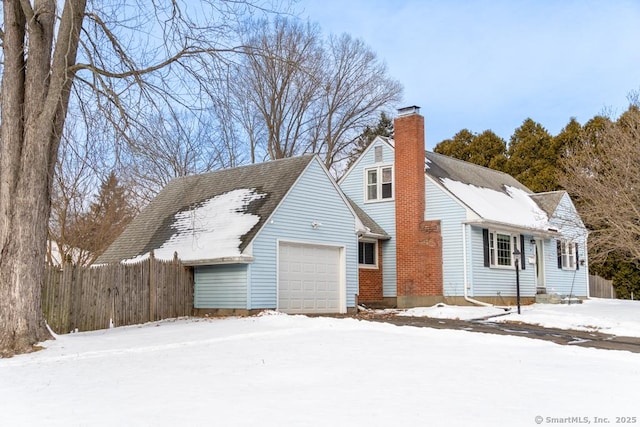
[153, 226]
[440, 166]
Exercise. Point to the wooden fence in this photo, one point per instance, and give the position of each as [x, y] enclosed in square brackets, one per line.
[91, 298]
[601, 288]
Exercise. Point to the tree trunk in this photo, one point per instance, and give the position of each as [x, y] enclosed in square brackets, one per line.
[35, 96]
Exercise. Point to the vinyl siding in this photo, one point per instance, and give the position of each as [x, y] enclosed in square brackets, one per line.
[312, 199]
[384, 212]
[220, 286]
[565, 282]
[491, 281]
[441, 206]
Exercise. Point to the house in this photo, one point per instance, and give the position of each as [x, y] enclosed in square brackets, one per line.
[403, 227]
[456, 231]
[277, 235]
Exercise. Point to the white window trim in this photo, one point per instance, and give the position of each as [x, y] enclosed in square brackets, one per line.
[379, 184]
[569, 255]
[514, 238]
[373, 266]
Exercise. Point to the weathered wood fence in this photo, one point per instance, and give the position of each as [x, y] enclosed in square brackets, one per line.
[601, 288]
[91, 298]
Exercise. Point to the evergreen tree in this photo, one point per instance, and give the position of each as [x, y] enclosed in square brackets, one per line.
[570, 138]
[533, 157]
[108, 215]
[624, 274]
[457, 147]
[489, 150]
[384, 127]
[486, 149]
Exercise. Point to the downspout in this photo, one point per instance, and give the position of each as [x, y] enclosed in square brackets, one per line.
[465, 274]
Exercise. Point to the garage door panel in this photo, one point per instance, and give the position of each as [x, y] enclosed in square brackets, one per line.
[309, 279]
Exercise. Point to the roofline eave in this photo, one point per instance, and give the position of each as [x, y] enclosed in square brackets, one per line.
[538, 232]
[239, 259]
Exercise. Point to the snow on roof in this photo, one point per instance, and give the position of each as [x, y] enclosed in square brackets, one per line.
[210, 230]
[512, 206]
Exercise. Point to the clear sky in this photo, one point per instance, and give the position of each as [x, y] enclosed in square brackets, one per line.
[491, 64]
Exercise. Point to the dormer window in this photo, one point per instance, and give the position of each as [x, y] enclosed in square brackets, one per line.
[379, 183]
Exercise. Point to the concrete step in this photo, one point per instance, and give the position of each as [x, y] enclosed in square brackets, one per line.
[548, 299]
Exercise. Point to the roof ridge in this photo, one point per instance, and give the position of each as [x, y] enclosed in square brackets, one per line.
[250, 165]
[471, 164]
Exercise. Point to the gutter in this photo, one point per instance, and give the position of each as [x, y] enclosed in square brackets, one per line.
[239, 259]
[537, 232]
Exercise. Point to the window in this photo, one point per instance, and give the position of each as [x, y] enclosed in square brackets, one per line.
[568, 254]
[379, 183]
[367, 254]
[499, 247]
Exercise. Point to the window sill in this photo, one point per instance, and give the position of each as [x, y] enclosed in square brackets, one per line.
[368, 266]
[379, 200]
[503, 267]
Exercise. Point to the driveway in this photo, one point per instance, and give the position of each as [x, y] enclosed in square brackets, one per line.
[558, 336]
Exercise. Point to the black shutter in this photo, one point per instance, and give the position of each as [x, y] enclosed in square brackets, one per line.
[577, 259]
[523, 257]
[485, 244]
[559, 249]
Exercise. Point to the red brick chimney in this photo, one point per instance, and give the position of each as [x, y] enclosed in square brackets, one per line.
[418, 242]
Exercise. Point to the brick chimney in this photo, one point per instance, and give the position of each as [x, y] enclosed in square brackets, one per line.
[418, 242]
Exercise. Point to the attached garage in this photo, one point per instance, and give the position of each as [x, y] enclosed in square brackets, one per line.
[310, 278]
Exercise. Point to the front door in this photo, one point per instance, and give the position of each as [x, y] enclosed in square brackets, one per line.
[539, 253]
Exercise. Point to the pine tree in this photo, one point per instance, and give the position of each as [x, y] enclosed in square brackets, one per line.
[533, 157]
[108, 215]
[457, 147]
[489, 150]
[384, 127]
[486, 149]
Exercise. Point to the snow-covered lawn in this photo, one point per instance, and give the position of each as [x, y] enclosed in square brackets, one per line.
[279, 370]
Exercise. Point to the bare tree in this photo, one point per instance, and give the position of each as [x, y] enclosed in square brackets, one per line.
[172, 145]
[601, 173]
[297, 93]
[79, 163]
[123, 64]
[280, 80]
[355, 89]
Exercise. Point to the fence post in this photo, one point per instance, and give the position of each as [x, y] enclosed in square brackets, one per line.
[152, 289]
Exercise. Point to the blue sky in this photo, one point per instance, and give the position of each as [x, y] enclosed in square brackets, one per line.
[491, 64]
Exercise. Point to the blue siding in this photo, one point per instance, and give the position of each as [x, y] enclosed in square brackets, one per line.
[384, 212]
[491, 281]
[220, 286]
[564, 282]
[441, 206]
[312, 199]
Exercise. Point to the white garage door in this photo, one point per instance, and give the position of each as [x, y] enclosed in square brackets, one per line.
[308, 278]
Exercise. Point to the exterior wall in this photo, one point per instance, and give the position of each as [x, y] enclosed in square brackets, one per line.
[419, 242]
[370, 286]
[312, 199]
[499, 282]
[383, 212]
[220, 286]
[440, 205]
[565, 282]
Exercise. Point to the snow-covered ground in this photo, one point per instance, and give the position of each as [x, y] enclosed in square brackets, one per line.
[279, 370]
